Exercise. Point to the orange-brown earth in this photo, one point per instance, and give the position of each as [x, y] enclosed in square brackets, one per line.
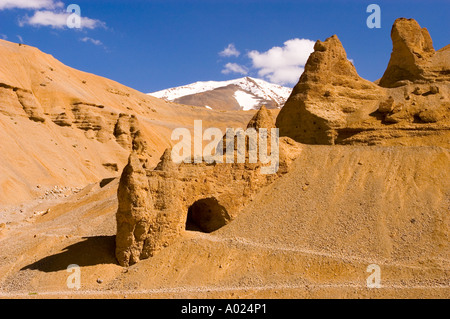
[311, 231]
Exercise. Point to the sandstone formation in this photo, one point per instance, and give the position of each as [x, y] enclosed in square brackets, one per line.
[124, 129]
[71, 128]
[309, 234]
[413, 58]
[262, 119]
[331, 104]
[135, 206]
[226, 230]
[329, 96]
[156, 206]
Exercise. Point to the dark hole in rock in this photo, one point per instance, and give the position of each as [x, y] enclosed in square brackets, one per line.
[206, 215]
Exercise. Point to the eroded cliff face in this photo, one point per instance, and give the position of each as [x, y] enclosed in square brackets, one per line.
[157, 205]
[329, 96]
[331, 104]
[96, 122]
[413, 57]
[60, 126]
[135, 212]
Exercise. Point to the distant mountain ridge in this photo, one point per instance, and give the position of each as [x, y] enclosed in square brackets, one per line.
[240, 94]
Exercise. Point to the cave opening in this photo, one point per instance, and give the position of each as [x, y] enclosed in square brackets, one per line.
[206, 215]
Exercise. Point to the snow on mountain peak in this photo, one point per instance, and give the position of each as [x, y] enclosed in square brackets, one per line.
[249, 93]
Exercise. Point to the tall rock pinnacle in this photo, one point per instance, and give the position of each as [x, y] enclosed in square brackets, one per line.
[413, 57]
[330, 94]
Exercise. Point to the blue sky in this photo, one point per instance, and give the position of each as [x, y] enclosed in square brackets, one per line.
[156, 44]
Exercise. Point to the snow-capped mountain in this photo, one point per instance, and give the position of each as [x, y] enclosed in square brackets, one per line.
[240, 94]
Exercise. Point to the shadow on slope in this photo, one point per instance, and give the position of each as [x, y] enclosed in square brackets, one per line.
[89, 252]
[106, 181]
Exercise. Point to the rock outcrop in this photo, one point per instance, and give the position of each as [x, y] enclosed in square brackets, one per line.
[329, 96]
[332, 104]
[135, 211]
[262, 119]
[413, 58]
[157, 205]
[94, 120]
[124, 129]
[61, 126]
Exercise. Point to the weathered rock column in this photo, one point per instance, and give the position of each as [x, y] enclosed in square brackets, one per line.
[135, 206]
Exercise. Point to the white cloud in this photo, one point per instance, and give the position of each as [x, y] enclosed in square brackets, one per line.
[4, 36]
[230, 51]
[20, 38]
[283, 65]
[93, 41]
[57, 20]
[234, 68]
[30, 4]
